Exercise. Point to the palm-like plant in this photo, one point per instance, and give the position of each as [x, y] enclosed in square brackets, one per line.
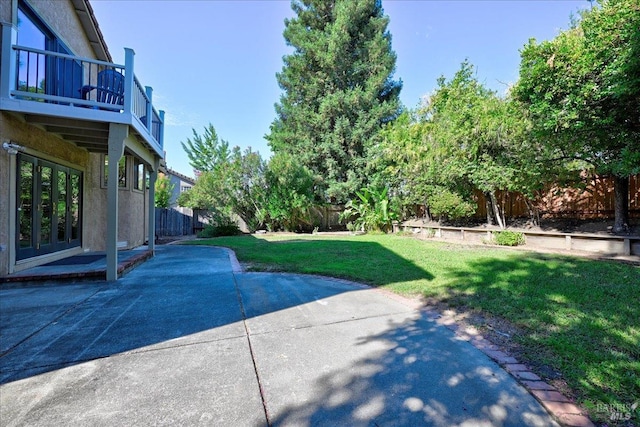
[371, 211]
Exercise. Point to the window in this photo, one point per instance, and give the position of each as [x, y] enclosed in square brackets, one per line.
[40, 73]
[138, 175]
[31, 73]
[122, 172]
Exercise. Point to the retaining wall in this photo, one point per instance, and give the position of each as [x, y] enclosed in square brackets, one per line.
[604, 244]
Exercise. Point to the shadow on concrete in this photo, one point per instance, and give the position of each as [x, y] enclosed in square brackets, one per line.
[183, 294]
[415, 373]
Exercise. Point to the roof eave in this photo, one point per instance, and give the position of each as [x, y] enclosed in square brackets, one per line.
[92, 29]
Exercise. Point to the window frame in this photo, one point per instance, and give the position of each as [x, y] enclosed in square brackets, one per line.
[60, 76]
[139, 174]
[123, 178]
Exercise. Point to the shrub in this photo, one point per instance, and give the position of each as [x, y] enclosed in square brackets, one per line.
[508, 238]
[447, 204]
[371, 211]
[219, 230]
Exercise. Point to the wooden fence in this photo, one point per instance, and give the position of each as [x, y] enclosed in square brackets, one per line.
[326, 217]
[179, 221]
[594, 200]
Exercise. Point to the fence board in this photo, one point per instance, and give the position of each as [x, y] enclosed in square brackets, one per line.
[594, 201]
[174, 222]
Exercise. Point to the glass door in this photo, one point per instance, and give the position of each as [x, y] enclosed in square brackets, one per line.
[49, 198]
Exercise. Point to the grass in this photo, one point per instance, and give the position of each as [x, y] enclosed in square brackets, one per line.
[579, 317]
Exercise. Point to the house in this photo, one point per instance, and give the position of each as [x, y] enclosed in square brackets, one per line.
[81, 140]
[181, 183]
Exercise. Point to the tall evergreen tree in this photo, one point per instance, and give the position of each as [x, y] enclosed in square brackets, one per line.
[338, 90]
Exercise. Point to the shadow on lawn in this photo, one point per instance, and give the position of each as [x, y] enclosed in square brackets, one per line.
[578, 316]
[348, 256]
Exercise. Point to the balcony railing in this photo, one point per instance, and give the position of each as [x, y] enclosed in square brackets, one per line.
[55, 78]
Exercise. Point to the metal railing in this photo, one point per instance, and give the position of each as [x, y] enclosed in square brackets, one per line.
[54, 77]
[157, 124]
[140, 102]
[57, 78]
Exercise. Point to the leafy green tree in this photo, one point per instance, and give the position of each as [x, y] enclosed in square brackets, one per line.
[163, 191]
[248, 186]
[233, 188]
[211, 193]
[464, 137]
[206, 151]
[289, 194]
[581, 92]
[338, 91]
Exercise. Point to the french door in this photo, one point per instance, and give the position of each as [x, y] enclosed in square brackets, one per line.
[49, 202]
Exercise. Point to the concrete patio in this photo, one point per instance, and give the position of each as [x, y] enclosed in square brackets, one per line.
[186, 338]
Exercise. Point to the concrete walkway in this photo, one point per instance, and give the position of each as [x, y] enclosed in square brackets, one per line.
[185, 340]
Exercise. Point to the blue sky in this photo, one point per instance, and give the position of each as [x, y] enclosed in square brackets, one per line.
[215, 61]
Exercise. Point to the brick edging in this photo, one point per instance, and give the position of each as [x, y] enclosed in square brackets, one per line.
[558, 405]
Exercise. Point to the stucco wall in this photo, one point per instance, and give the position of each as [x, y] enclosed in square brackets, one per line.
[132, 212]
[5, 11]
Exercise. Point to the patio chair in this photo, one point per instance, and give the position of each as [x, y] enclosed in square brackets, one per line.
[109, 88]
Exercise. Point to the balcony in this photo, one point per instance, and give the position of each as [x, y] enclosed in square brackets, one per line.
[76, 98]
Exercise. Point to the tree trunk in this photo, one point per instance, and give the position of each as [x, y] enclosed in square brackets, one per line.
[496, 210]
[534, 215]
[487, 206]
[621, 191]
[427, 212]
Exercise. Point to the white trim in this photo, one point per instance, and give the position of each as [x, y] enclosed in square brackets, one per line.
[114, 108]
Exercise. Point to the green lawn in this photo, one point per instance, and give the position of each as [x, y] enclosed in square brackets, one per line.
[579, 317]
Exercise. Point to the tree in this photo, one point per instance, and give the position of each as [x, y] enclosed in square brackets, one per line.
[464, 137]
[338, 90]
[206, 151]
[289, 194]
[233, 188]
[581, 92]
[163, 191]
[248, 186]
